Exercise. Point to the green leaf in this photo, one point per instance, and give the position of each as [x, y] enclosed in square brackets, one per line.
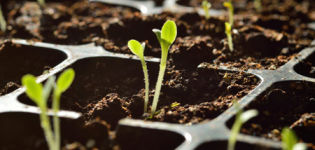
[245, 116]
[300, 146]
[65, 80]
[169, 32]
[50, 83]
[288, 139]
[136, 48]
[227, 5]
[34, 90]
[158, 33]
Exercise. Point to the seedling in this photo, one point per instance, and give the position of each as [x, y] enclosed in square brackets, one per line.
[3, 23]
[206, 8]
[138, 49]
[41, 2]
[241, 118]
[228, 32]
[166, 37]
[290, 141]
[257, 5]
[230, 8]
[40, 94]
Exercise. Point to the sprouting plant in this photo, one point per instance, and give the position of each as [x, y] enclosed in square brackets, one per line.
[230, 8]
[138, 49]
[228, 32]
[41, 2]
[3, 23]
[166, 37]
[290, 141]
[206, 8]
[241, 118]
[40, 94]
[257, 5]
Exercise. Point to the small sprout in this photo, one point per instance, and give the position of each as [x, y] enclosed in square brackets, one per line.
[175, 104]
[40, 94]
[230, 8]
[3, 24]
[138, 49]
[228, 32]
[240, 119]
[206, 7]
[41, 2]
[290, 141]
[63, 83]
[166, 37]
[257, 5]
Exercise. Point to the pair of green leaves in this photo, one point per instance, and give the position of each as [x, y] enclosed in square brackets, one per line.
[166, 37]
[39, 94]
[206, 7]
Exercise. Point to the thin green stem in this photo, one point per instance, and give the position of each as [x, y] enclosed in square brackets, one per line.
[234, 131]
[231, 15]
[56, 108]
[160, 78]
[146, 82]
[3, 23]
[45, 123]
[230, 41]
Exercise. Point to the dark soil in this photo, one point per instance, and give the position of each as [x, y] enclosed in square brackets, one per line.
[298, 113]
[307, 67]
[30, 60]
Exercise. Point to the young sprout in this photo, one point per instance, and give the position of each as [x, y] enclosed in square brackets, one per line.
[63, 83]
[166, 37]
[41, 2]
[138, 49]
[40, 94]
[206, 7]
[290, 141]
[257, 5]
[228, 32]
[3, 23]
[230, 8]
[241, 118]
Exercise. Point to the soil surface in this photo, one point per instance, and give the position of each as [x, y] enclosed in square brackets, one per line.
[106, 90]
[298, 113]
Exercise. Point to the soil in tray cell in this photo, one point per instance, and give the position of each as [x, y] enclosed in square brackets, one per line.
[23, 131]
[307, 67]
[112, 89]
[18, 60]
[221, 145]
[62, 22]
[288, 104]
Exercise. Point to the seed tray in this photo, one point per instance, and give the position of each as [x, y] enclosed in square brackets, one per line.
[132, 133]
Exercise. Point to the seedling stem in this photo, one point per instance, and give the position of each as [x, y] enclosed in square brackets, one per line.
[138, 49]
[166, 37]
[241, 118]
[3, 23]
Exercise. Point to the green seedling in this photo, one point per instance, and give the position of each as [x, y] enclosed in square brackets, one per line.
[40, 94]
[41, 2]
[138, 49]
[290, 141]
[3, 24]
[257, 5]
[206, 8]
[241, 118]
[230, 8]
[166, 37]
[228, 32]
